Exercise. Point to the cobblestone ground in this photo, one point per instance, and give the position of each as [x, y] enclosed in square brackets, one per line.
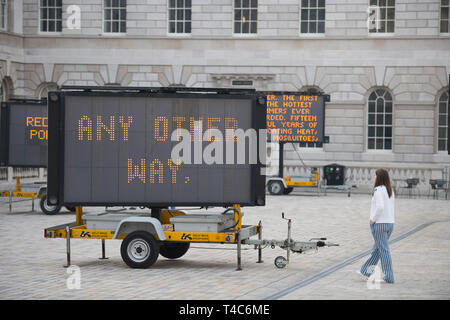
[31, 267]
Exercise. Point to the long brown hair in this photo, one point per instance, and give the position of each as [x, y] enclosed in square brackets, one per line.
[383, 179]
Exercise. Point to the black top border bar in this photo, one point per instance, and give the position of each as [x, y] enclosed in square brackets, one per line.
[157, 89]
[26, 101]
[191, 89]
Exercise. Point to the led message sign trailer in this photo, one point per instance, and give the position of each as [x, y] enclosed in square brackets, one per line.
[115, 148]
[298, 117]
[24, 133]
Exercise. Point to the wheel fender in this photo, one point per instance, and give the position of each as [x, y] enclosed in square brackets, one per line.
[131, 224]
[42, 192]
[277, 179]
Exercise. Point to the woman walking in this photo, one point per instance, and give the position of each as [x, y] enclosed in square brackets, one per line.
[381, 226]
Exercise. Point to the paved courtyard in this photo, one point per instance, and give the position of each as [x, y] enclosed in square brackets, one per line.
[31, 267]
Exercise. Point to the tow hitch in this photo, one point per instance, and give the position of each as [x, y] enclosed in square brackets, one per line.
[290, 244]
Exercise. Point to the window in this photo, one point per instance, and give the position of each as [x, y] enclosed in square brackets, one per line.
[311, 145]
[379, 135]
[312, 16]
[442, 122]
[180, 16]
[242, 82]
[382, 16]
[245, 16]
[445, 6]
[2, 96]
[115, 16]
[44, 89]
[51, 16]
[4, 92]
[3, 14]
[311, 90]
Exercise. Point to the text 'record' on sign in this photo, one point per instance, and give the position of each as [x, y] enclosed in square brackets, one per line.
[24, 134]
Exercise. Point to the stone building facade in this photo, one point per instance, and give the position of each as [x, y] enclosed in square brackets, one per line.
[408, 58]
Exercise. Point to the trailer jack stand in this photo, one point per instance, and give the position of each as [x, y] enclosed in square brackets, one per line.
[68, 231]
[239, 251]
[103, 251]
[288, 244]
[259, 246]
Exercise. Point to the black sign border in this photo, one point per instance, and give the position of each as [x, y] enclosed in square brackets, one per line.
[4, 132]
[56, 117]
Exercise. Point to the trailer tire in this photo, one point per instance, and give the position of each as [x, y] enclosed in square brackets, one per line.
[280, 262]
[48, 209]
[275, 187]
[139, 249]
[288, 190]
[173, 250]
[70, 208]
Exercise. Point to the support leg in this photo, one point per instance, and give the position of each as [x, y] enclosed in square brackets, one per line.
[103, 251]
[68, 246]
[259, 246]
[288, 249]
[79, 215]
[239, 251]
[281, 159]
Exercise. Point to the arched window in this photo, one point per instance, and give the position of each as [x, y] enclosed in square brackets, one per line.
[379, 133]
[1, 91]
[311, 90]
[45, 88]
[442, 122]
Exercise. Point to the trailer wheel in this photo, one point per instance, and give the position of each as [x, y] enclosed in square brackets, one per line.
[139, 250]
[70, 208]
[280, 262]
[276, 187]
[47, 208]
[173, 250]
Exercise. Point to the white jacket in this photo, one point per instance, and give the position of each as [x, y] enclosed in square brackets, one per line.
[382, 207]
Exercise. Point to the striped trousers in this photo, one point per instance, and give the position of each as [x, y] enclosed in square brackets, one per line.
[381, 233]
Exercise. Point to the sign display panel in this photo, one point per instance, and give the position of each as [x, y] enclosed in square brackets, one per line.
[24, 134]
[298, 117]
[116, 148]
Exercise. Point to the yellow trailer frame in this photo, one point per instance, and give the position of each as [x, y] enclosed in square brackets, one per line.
[40, 193]
[311, 183]
[235, 235]
[18, 193]
[82, 232]
[280, 186]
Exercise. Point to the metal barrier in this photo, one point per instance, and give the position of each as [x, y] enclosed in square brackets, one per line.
[446, 175]
[7, 174]
[362, 177]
